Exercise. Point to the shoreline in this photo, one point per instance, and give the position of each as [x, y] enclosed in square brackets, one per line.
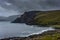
[31, 35]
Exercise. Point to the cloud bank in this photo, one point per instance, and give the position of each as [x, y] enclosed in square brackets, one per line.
[15, 6]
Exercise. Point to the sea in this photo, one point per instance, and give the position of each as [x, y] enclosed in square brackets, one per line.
[8, 29]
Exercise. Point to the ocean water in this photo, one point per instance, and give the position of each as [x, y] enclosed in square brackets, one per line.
[8, 29]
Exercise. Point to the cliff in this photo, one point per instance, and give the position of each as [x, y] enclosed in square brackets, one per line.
[27, 17]
[40, 18]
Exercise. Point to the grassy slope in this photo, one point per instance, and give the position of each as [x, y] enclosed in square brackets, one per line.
[48, 18]
[54, 36]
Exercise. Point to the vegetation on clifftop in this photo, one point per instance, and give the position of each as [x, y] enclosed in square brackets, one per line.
[42, 18]
[48, 18]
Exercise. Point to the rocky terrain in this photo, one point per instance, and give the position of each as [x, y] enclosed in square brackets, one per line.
[27, 17]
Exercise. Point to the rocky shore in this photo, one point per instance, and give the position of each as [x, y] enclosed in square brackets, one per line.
[48, 35]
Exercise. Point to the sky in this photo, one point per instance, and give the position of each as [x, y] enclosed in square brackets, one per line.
[17, 7]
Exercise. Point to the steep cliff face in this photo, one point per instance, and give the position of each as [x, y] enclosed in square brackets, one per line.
[27, 17]
[40, 17]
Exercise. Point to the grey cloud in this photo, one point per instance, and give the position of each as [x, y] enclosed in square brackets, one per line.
[26, 5]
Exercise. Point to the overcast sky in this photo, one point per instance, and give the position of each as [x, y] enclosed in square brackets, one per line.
[13, 7]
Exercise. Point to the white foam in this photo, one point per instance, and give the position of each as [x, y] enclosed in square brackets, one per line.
[40, 32]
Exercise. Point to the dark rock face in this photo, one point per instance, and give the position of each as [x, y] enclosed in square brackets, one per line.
[27, 17]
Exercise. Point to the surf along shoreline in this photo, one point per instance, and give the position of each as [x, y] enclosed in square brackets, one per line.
[36, 36]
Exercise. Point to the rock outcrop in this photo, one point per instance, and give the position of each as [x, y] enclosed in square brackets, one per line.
[27, 17]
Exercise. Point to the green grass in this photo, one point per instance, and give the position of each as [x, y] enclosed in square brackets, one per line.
[48, 18]
[56, 26]
[51, 37]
